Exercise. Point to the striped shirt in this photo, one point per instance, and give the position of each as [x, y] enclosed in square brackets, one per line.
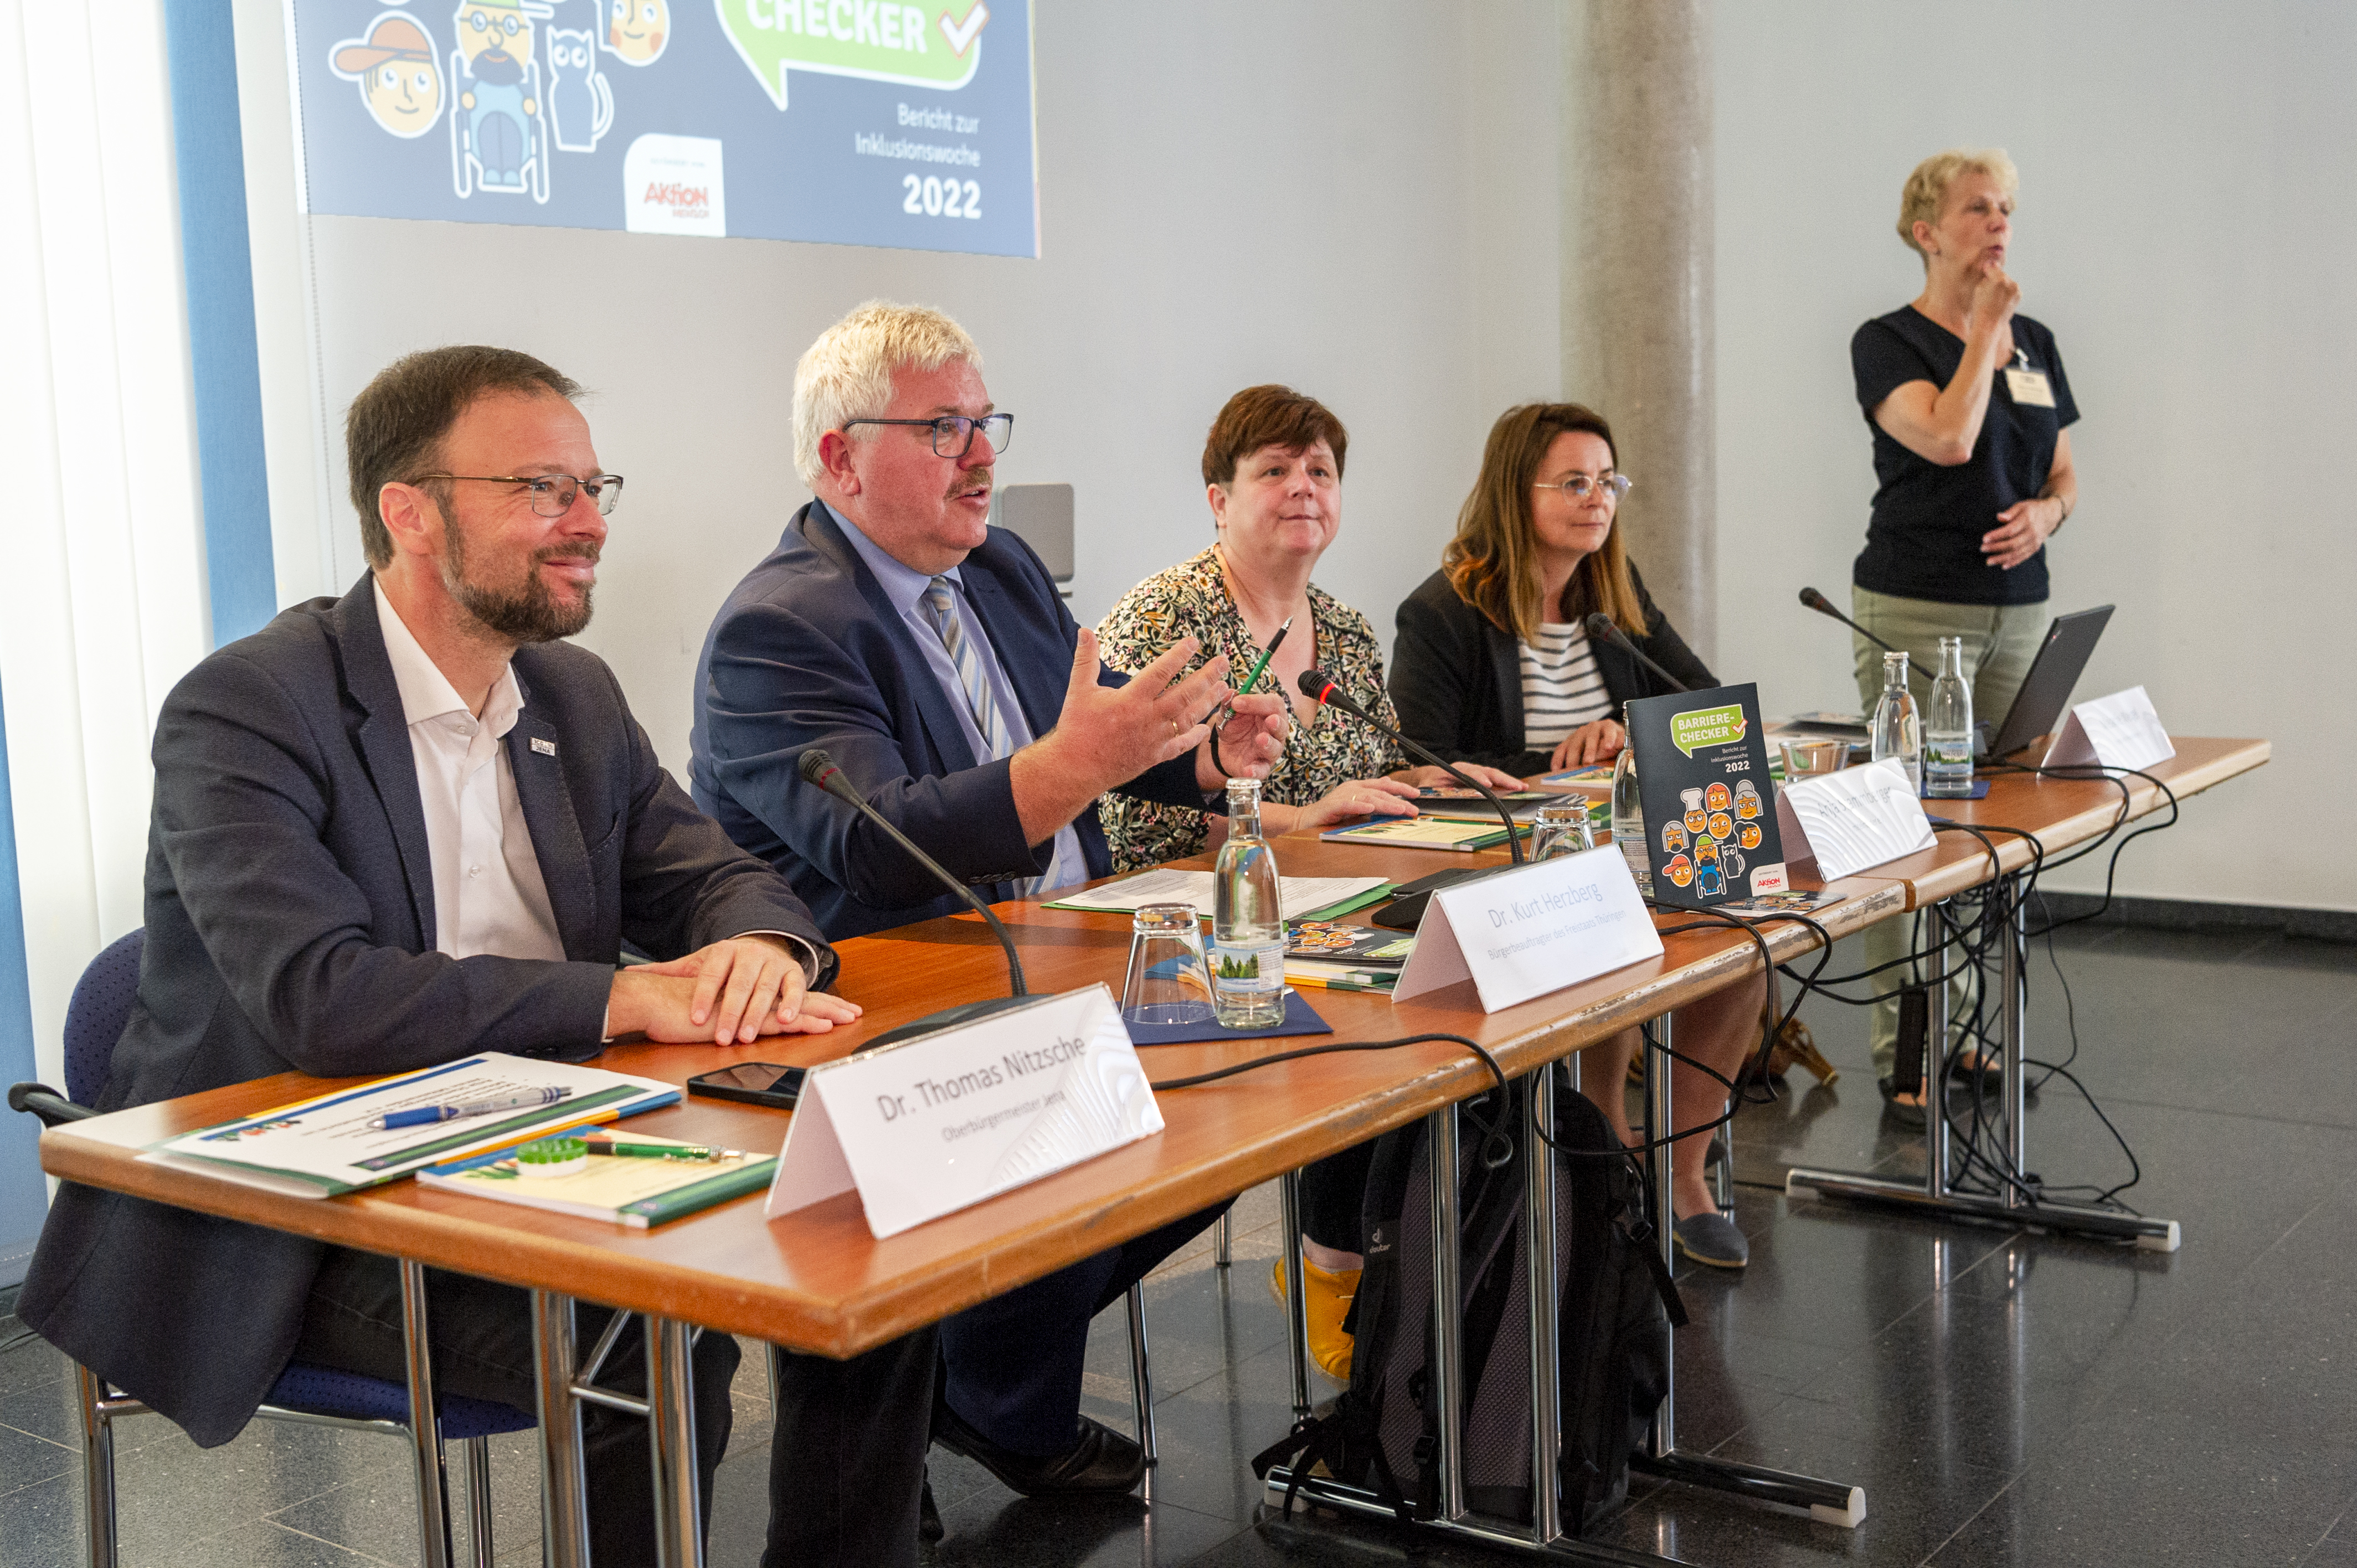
[1562, 688]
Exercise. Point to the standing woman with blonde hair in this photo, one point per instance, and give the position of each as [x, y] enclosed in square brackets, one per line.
[1970, 413]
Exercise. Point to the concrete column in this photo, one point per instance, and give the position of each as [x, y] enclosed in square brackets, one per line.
[1637, 289]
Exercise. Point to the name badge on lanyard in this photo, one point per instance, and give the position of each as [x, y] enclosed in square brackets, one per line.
[2029, 388]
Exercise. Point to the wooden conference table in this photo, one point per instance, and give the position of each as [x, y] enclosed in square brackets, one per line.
[816, 1281]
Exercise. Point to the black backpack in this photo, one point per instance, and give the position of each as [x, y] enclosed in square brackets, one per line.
[1615, 1299]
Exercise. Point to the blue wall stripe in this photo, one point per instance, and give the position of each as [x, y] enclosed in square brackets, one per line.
[211, 151]
[24, 1199]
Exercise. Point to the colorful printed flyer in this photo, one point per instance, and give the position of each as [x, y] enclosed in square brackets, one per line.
[1710, 803]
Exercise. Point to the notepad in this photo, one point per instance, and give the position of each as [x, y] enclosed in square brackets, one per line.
[323, 1146]
[625, 1191]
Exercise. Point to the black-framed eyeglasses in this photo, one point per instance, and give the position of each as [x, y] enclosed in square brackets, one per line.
[484, 23]
[1585, 485]
[954, 433]
[552, 494]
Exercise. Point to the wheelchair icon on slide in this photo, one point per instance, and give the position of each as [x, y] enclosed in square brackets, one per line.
[498, 136]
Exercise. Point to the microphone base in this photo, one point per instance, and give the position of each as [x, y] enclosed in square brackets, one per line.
[947, 1018]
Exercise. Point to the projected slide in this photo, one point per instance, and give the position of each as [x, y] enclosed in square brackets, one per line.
[852, 122]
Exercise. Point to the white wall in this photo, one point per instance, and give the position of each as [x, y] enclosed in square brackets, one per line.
[1363, 208]
[2185, 228]
[1363, 202]
[106, 584]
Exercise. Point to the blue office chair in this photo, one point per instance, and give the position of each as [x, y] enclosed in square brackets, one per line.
[322, 1396]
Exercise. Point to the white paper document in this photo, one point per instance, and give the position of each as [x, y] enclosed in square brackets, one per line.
[1850, 821]
[1530, 929]
[319, 1147]
[1300, 895]
[935, 1124]
[2118, 731]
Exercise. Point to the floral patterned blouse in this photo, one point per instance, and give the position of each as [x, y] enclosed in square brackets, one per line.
[1192, 599]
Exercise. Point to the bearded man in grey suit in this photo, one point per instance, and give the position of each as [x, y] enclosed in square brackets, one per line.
[390, 831]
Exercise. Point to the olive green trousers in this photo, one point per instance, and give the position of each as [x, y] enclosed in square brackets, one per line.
[2000, 641]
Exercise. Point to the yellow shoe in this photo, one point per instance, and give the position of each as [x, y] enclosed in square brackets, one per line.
[1330, 1295]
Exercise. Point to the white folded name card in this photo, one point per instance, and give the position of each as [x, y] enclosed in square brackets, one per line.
[2118, 731]
[1848, 820]
[933, 1125]
[1530, 929]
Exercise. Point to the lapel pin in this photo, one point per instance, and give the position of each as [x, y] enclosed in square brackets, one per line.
[545, 747]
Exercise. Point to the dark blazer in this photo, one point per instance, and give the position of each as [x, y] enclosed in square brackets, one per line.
[290, 925]
[1457, 678]
[808, 651]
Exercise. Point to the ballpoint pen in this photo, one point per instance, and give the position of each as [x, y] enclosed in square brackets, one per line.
[1265, 655]
[424, 1116]
[658, 1151]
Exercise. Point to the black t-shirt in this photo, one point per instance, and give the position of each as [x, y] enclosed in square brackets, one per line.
[1923, 541]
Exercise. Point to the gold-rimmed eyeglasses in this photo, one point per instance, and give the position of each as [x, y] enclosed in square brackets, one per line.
[1583, 485]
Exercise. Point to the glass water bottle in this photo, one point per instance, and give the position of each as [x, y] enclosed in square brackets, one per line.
[1948, 728]
[1629, 813]
[1247, 957]
[1897, 731]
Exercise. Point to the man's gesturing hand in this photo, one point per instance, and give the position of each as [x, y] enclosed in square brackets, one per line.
[733, 991]
[1107, 736]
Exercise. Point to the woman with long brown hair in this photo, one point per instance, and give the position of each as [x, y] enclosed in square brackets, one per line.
[1493, 663]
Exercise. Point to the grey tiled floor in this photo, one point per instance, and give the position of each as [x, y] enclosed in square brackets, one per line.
[2004, 1399]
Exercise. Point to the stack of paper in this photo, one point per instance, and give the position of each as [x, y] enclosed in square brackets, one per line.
[1464, 805]
[1335, 957]
[1422, 832]
[1303, 897]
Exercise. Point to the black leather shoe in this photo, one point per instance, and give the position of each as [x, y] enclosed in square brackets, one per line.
[1898, 1110]
[928, 1518]
[1102, 1461]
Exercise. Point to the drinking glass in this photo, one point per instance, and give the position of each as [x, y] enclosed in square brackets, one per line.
[1562, 828]
[1166, 982]
[1809, 759]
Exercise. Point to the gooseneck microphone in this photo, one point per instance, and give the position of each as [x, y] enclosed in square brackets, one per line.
[1319, 687]
[1602, 627]
[817, 768]
[1825, 606]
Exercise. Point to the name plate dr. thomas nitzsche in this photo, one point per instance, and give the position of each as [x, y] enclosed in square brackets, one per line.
[937, 1123]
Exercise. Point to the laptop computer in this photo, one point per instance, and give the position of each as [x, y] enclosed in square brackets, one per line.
[2061, 659]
